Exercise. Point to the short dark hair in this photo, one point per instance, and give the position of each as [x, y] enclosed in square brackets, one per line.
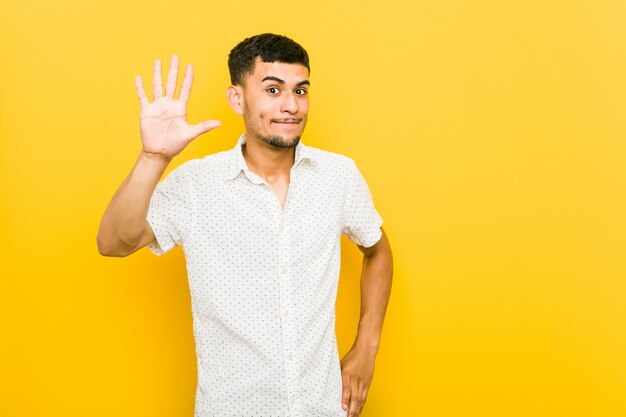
[269, 48]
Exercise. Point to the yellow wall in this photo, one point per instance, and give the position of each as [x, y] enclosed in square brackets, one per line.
[490, 132]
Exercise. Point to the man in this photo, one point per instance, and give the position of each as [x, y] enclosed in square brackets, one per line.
[260, 226]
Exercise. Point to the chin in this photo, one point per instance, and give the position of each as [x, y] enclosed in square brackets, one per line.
[281, 142]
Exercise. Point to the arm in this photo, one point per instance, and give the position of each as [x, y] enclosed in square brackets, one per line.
[164, 134]
[123, 228]
[358, 364]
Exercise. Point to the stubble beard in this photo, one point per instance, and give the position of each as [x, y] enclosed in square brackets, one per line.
[276, 141]
[279, 141]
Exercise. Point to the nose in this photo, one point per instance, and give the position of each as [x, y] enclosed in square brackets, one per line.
[289, 103]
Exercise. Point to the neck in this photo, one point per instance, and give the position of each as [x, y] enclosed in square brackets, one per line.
[266, 161]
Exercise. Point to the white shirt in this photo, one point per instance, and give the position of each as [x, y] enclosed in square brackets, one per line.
[263, 279]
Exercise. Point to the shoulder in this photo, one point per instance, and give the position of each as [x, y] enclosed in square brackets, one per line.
[337, 168]
[331, 161]
[207, 168]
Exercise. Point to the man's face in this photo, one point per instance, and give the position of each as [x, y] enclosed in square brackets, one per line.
[276, 103]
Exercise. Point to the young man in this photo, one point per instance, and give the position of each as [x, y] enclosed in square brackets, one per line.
[260, 226]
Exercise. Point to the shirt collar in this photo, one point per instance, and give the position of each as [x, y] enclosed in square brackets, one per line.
[237, 162]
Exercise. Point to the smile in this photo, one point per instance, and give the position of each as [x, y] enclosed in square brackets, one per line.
[287, 121]
[288, 124]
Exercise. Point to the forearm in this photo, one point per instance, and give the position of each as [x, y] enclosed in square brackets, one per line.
[124, 218]
[376, 279]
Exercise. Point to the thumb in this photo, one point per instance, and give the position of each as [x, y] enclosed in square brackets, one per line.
[203, 127]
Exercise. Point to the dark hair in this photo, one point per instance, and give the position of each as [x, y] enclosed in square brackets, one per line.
[268, 47]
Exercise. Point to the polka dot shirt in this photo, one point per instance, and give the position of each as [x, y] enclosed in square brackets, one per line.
[263, 278]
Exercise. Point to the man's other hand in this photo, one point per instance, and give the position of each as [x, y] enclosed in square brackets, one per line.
[357, 371]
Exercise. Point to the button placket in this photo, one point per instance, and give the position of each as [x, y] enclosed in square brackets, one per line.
[284, 271]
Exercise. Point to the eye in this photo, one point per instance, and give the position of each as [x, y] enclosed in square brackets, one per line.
[272, 90]
[301, 91]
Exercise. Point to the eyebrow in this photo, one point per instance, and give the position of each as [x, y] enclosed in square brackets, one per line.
[279, 81]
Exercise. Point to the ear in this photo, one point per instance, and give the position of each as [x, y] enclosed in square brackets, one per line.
[234, 94]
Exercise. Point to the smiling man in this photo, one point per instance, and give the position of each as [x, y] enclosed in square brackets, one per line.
[260, 226]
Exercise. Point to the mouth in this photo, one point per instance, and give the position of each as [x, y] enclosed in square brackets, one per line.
[287, 122]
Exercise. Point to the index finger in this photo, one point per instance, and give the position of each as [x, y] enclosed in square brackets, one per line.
[185, 90]
[355, 400]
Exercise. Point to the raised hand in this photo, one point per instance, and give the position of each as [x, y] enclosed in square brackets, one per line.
[163, 123]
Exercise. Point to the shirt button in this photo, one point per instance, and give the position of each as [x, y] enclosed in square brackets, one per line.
[283, 270]
[286, 312]
[281, 228]
[292, 401]
[290, 356]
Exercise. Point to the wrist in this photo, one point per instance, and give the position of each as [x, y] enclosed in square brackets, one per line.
[151, 156]
[367, 344]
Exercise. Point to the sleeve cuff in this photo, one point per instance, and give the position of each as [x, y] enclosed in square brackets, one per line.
[370, 236]
[162, 243]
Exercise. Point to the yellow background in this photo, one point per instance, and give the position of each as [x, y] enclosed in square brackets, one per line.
[491, 134]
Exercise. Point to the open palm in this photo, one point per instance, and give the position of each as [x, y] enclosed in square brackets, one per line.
[163, 123]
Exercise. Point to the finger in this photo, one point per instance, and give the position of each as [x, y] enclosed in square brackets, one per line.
[185, 90]
[203, 127]
[345, 396]
[355, 401]
[172, 76]
[363, 398]
[141, 93]
[157, 86]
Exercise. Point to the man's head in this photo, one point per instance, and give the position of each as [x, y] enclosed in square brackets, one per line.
[269, 48]
[269, 75]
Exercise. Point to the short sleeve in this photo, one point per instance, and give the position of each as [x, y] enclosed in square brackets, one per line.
[169, 213]
[361, 221]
